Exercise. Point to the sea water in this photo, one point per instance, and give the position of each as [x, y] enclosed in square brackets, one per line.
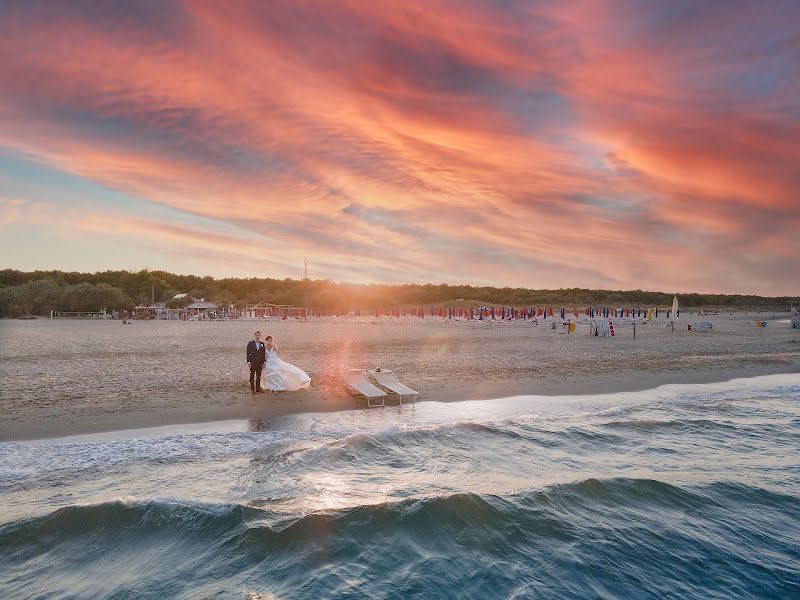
[683, 491]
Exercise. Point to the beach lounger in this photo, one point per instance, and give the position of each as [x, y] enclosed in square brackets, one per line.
[389, 380]
[357, 381]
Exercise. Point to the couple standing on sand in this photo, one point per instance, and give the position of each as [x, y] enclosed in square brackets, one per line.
[279, 376]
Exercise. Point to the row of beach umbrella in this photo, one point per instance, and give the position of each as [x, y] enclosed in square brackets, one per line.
[505, 313]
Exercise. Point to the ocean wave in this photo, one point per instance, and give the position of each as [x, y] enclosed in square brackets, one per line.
[527, 419]
[22, 464]
[181, 513]
[567, 441]
[685, 425]
[616, 537]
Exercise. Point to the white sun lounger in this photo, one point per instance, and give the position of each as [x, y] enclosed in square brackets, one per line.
[359, 384]
[389, 380]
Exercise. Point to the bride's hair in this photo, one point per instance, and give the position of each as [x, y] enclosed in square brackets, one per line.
[269, 337]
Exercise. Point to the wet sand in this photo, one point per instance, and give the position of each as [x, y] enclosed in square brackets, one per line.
[67, 377]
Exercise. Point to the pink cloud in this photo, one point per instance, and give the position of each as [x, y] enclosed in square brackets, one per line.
[438, 141]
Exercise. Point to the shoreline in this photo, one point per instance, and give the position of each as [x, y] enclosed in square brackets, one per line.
[265, 407]
[65, 378]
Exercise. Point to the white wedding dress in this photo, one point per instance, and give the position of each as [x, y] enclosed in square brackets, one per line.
[281, 376]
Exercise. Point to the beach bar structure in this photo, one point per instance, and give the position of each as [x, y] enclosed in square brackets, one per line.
[201, 311]
[159, 311]
[265, 310]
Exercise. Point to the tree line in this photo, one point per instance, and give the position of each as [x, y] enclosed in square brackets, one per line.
[39, 292]
[40, 296]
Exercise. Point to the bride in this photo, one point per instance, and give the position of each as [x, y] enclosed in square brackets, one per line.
[281, 376]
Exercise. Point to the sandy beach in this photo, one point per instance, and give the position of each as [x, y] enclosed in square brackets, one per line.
[65, 377]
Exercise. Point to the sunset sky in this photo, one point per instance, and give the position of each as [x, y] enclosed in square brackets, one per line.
[623, 145]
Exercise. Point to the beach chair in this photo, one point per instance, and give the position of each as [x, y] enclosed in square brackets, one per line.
[389, 380]
[359, 384]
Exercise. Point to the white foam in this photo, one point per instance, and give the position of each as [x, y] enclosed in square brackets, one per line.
[70, 455]
[215, 440]
[228, 426]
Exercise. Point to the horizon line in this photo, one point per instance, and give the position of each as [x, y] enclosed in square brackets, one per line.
[385, 284]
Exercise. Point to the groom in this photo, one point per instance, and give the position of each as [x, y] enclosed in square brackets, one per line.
[256, 357]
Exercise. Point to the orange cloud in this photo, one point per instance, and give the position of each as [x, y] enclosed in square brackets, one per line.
[551, 146]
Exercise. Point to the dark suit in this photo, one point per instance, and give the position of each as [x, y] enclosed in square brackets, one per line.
[256, 357]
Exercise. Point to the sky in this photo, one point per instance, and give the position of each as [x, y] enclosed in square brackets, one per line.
[603, 144]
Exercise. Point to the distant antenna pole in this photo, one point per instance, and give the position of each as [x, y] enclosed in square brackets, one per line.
[305, 288]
